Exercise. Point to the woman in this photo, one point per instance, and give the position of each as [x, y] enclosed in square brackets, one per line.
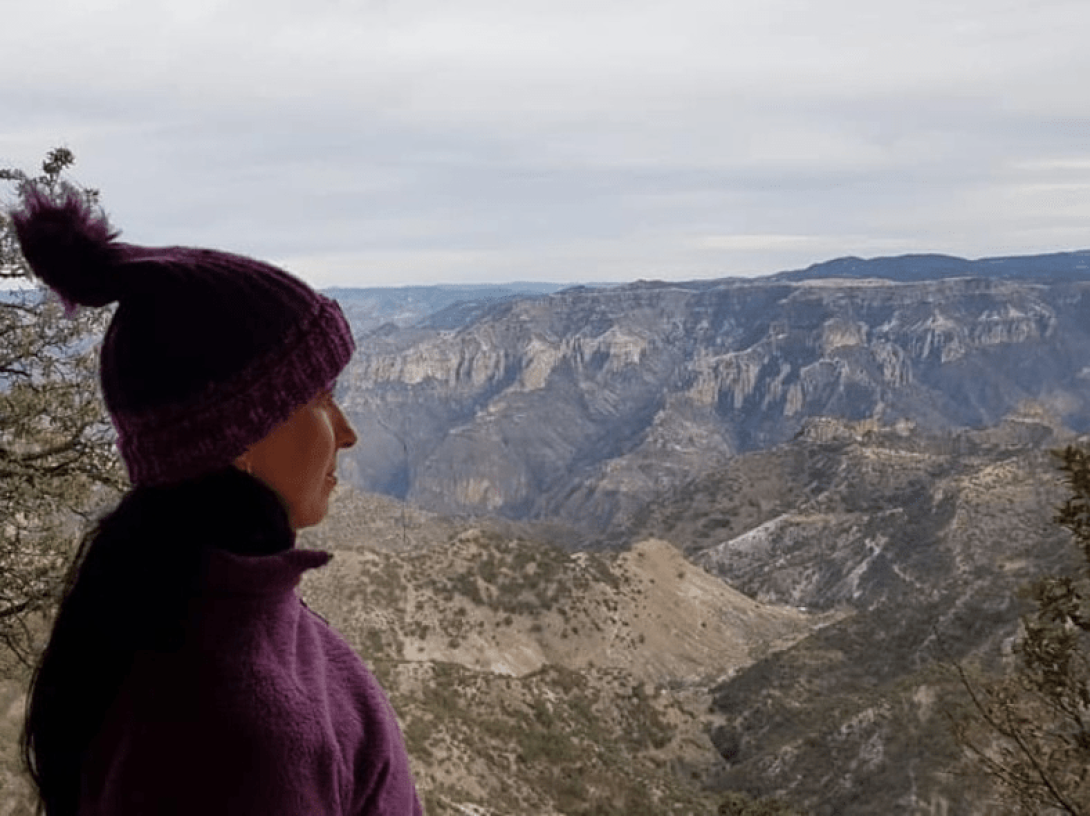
[183, 674]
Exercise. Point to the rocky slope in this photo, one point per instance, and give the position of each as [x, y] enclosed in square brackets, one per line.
[533, 679]
[583, 404]
[512, 607]
[927, 540]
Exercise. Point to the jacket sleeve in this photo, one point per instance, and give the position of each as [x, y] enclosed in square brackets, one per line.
[377, 769]
[383, 780]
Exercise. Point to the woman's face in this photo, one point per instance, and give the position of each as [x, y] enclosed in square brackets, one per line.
[296, 458]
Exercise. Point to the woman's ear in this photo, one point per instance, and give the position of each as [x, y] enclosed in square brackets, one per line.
[243, 462]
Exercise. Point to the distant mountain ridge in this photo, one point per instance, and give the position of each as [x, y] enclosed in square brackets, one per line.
[1051, 267]
[403, 304]
[368, 308]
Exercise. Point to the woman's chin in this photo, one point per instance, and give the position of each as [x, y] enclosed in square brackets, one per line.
[314, 513]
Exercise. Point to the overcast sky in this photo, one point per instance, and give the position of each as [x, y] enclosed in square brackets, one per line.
[392, 142]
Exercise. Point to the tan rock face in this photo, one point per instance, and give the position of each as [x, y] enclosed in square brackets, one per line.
[582, 404]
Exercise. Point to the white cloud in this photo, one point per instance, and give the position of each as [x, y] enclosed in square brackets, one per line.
[596, 139]
[1060, 164]
[759, 242]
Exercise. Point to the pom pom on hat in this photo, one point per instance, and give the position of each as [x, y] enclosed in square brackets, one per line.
[69, 247]
[207, 352]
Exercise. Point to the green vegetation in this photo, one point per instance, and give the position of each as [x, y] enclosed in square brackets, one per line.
[738, 804]
[57, 457]
[578, 742]
[517, 577]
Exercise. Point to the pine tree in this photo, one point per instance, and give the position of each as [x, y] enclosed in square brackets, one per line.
[1030, 730]
[58, 463]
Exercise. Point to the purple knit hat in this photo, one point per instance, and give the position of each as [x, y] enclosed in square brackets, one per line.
[207, 351]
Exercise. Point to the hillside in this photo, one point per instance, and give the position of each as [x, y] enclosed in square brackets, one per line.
[512, 607]
[533, 679]
[926, 539]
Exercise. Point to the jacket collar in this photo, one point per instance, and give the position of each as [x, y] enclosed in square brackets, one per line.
[229, 574]
[249, 543]
[227, 509]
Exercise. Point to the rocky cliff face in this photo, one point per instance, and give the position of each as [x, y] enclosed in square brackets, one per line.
[583, 404]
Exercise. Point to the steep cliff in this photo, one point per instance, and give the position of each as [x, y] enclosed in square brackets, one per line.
[583, 404]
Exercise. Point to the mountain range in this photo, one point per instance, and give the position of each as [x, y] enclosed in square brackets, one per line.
[582, 405]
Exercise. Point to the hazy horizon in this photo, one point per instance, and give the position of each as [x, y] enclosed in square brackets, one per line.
[565, 284]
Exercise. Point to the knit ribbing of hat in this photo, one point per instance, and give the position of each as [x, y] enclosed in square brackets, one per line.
[180, 441]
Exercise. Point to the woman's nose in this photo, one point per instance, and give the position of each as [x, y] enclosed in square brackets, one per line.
[345, 432]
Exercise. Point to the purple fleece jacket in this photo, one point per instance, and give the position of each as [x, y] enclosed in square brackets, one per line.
[265, 710]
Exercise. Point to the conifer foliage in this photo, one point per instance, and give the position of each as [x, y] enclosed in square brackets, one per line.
[58, 463]
[1030, 730]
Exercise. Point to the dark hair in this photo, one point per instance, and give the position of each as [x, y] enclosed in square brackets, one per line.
[127, 589]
